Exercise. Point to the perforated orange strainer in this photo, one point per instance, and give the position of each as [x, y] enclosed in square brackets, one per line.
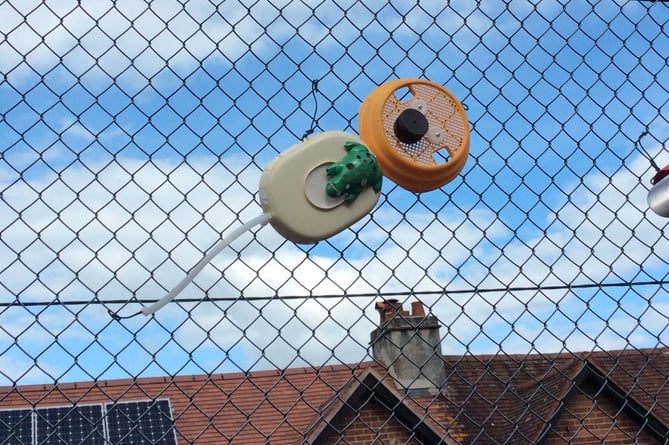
[418, 131]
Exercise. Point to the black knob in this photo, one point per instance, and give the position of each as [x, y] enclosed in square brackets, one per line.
[410, 126]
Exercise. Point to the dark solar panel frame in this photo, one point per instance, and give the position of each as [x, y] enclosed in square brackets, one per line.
[121, 423]
[140, 423]
[69, 425]
[16, 427]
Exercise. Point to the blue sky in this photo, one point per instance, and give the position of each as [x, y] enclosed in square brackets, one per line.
[127, 151]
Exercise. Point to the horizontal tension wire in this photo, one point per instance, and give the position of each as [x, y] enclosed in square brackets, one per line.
[96, 301]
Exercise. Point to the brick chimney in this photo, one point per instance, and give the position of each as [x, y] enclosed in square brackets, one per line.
[409, 345]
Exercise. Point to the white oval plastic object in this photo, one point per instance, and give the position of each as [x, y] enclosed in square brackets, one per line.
[292, 190]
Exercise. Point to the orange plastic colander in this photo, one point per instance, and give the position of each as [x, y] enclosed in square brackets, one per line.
[418, 132]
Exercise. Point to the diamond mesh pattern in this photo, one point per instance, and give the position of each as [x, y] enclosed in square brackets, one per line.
[133, 136]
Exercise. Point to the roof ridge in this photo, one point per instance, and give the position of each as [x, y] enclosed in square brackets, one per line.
[521, 355]
[560, 369]
[353, 367]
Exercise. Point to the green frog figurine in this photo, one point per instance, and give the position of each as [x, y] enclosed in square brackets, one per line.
[356, 171]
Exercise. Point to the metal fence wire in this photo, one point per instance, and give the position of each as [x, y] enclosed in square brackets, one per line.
[523, 302]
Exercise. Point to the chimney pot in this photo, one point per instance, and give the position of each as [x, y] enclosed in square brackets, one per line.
[388, 308]
[417, 309]
[394, 303]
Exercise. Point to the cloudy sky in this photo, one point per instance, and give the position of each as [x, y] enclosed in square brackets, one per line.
[133, 137]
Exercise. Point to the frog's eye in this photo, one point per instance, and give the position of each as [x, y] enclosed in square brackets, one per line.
[350, 166]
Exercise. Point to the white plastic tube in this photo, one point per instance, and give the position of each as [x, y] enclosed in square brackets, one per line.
[215, 250]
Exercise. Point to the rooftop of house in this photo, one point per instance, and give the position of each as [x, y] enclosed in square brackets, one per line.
[518, 396]
[497, 398]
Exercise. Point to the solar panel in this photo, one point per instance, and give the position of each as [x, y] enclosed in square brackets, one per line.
[16, 427]
[124, 423]
[69, 425]
[139, 423]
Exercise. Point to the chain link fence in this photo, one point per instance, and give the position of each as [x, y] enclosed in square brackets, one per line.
[133, 136]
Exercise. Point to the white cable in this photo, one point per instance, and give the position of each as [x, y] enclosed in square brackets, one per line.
[215, 250]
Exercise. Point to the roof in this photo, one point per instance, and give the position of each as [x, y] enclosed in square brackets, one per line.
[288, 406]
[497, 398]
[209, 408]
[515, 398]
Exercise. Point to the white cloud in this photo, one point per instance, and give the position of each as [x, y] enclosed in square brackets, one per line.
[24, 370]
[111, 36]
[134, 41]
[115, 35]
